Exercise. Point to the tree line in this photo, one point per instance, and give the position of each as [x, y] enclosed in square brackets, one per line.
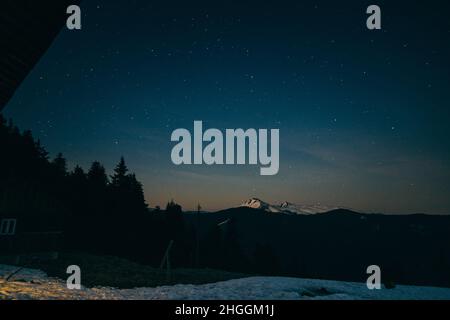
[101, 213]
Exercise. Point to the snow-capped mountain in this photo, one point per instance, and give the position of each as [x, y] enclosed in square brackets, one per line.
[255, 203]
[287, 207]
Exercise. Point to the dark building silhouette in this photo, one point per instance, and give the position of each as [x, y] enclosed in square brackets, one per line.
[27, 30]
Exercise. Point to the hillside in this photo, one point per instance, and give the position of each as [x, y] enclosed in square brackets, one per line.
[340, 244]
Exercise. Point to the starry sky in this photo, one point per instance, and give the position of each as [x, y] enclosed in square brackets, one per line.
[363, 115]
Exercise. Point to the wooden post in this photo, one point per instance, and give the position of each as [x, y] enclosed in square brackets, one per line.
[197, 238]
[166, 261]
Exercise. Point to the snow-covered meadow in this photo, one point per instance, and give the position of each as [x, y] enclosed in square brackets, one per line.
[34, 284]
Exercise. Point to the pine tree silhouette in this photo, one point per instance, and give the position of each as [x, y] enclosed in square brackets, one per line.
[97, 175]
[60, 164]
[119, 178]
[78, 174]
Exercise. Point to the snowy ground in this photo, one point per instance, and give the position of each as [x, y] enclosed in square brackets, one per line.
[34, 284]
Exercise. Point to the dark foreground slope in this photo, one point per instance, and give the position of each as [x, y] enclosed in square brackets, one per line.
[341, 244]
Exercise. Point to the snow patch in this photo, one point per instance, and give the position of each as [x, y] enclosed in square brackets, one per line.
[287, 207]
[35, 284]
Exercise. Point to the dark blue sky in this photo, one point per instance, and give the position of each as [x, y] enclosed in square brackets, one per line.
[363, 115]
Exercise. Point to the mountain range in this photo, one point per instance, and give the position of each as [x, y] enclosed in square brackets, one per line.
[287, 207]
[334, 243]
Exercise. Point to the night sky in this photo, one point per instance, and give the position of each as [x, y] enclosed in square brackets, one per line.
[363, 115]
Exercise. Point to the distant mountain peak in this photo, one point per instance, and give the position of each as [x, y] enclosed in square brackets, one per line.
[287, 207]
[256, 203]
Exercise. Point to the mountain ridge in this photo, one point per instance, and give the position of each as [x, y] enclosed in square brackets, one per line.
[287, 207]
